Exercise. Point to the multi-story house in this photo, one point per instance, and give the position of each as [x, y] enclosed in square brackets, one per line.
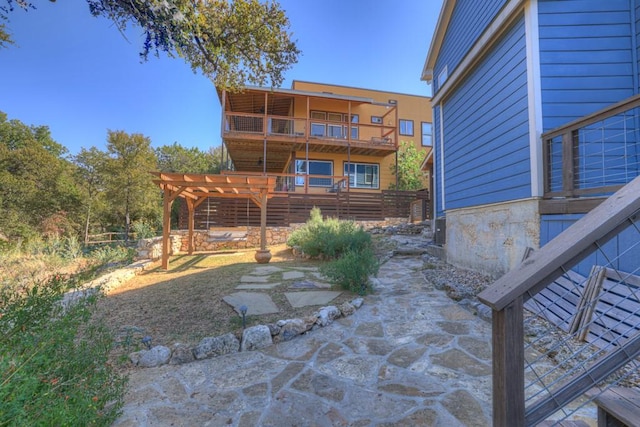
[321, 138]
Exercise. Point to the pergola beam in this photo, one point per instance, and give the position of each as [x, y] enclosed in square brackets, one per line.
[196, 188]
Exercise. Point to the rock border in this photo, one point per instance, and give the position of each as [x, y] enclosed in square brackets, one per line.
[253, 338]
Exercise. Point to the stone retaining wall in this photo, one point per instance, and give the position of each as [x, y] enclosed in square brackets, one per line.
[152, 248]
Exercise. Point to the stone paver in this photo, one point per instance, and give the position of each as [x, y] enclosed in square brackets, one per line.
[258, 286]
[410, 356]
[305, 298]
[256, 303]
[254, 279]
[289, 275]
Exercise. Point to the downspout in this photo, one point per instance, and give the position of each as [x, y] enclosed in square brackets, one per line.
[223, 165]
[264, 130]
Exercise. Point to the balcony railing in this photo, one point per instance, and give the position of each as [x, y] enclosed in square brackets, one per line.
[593, 156]
[308, 129]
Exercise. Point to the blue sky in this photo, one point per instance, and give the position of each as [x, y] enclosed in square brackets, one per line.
[78, 75]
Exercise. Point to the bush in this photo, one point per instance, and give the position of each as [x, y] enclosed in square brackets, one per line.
[328, 238]
[346, 243]
[53, 362]
[352, 270]
[143, 230]
[113, 254]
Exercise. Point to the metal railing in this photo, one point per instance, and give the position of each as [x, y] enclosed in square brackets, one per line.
[567, 320]
[595, 155]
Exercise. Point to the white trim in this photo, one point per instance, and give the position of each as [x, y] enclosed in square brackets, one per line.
[498, 26]
[436, 41]
[534, 96]
[442, 199]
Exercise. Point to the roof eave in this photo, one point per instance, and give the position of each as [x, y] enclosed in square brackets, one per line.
[436, 41]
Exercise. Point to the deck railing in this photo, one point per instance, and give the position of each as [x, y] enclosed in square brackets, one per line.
[303, 128]
[595, 155]
[567, 320]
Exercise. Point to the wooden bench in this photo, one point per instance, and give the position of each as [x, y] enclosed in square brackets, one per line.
[617, 406]
[227, 234]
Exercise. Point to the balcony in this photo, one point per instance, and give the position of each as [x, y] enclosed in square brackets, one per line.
[263, 129]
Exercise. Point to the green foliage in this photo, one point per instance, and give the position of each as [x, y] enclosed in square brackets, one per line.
[143, 230]
[53, 362]
[345, 243]
[352, 270]
[37, 182]
[176, 158]
[112, 254]
[328, 238]
[409, 168]
[129, 186]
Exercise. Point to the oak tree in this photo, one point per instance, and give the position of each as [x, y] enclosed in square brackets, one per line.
[232, 42]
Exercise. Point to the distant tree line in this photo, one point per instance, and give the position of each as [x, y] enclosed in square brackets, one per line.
[45, 191]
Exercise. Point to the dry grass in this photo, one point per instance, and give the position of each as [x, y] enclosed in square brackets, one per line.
[184, 304]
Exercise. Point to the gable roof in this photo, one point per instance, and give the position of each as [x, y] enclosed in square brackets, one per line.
[436, 40]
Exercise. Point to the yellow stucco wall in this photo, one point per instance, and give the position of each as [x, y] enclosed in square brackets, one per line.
[409, 107]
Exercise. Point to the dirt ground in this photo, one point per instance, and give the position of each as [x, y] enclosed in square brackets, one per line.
[184, 304]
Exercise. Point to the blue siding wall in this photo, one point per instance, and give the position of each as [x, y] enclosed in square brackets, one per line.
[586, 57]
[486, 131]
[468, 21]
[622, 249]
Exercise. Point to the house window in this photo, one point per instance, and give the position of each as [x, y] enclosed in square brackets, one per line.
[427, 134]
[376, 119]
[406, 127]
[443, 76]
[354, 129]
[318, 129]
[315, 167]
[362, 175]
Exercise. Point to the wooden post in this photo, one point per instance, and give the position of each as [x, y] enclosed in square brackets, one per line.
[508, 366]
[166, 227]
[263, 220]
[191, 224]
[263, 255]
[567, 164]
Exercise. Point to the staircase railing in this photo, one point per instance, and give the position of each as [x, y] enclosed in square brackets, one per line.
[541, 372]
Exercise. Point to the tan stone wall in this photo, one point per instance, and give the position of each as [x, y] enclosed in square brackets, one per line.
[152, 248]
[275, 236]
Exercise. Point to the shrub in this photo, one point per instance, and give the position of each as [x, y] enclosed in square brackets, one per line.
[53, 362]
[143, 230]
[113, 254]
[328, 238]
[346, 243]
[352, 270]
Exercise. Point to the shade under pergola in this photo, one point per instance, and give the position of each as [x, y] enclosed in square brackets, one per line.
[196, 188]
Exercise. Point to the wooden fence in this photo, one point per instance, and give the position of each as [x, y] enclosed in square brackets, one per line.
[286, 209]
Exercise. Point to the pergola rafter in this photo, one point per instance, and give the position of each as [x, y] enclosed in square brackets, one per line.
[196, 188]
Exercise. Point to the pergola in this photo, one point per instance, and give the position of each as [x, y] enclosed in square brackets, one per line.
[196, 188]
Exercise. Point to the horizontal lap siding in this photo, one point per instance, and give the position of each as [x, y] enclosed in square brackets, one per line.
[586, 58]
[486, 151]
[468, 21]
[622, 250]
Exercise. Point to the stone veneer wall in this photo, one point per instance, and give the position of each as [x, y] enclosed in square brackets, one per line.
[152, 248]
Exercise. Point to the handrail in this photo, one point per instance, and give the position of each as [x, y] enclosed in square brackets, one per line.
[566, 250]
[507, 295]
[580, 161]
[608, 111]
